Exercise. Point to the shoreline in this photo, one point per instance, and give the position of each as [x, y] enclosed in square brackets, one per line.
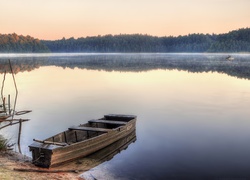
[10, 160]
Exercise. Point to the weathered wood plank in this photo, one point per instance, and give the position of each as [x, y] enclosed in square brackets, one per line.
[83, 128]
[50, 142]
[107, 121]
[119, 117]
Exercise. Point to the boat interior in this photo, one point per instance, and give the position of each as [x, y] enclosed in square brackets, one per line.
[93, 128]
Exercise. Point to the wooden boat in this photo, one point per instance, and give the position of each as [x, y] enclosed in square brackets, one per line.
[88, 162]
[82, 140]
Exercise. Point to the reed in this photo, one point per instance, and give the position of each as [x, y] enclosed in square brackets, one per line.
[3, 144]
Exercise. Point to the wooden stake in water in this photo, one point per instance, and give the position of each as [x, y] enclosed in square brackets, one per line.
[9, 103]
[4, 107]
[20, 131]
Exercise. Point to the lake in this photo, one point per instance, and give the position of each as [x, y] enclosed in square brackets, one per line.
[192, 109]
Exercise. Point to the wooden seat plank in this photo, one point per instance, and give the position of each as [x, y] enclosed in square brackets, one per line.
[83, 128]
[107, 121]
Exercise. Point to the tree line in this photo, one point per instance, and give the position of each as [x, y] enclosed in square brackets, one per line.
[234, 41]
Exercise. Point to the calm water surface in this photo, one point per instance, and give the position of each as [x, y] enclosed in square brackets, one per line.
[193, 109]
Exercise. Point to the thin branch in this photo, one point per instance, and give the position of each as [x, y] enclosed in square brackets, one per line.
[10, 124]
[15, 87]
[48, 171]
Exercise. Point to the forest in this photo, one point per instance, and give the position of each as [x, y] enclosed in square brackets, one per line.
[234, 41]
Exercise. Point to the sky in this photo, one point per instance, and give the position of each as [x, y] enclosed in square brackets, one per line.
[55, 19]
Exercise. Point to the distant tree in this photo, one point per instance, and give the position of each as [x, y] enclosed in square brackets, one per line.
[16, 43]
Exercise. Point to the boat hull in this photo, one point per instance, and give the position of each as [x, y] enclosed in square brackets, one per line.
[52, 155]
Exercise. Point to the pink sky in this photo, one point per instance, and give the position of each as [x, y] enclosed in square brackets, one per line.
[54, 19]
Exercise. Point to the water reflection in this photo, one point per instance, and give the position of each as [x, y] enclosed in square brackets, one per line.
[189, 124]
[240, 67]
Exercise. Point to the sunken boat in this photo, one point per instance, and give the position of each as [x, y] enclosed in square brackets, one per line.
[80, 141]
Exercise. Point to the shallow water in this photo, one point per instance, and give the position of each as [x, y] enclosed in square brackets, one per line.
[193, 109]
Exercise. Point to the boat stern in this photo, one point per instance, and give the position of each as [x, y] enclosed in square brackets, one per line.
[40, 156]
